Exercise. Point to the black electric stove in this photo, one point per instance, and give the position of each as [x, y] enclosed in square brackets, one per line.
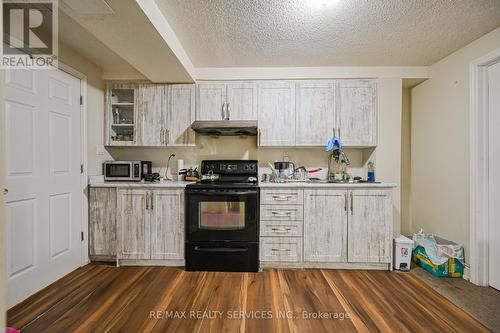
[222, 218]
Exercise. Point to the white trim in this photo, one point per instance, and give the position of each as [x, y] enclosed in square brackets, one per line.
[297, 73]
[479, 169]
[83, 158]
[156, 17]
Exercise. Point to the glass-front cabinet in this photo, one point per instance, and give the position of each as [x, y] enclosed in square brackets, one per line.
[121, 115]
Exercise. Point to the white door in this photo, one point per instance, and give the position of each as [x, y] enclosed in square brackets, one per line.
[210, 101]
[494, 160]
[42, 156]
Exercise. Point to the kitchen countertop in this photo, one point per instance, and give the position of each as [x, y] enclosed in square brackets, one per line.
[325, 185]
[182, 184]
[165, 184]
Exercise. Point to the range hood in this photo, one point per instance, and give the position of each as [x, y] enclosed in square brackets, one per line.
[225, 127]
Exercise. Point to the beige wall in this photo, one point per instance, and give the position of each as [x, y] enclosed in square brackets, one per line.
[406, 228]
[440, 154]
[95, 104]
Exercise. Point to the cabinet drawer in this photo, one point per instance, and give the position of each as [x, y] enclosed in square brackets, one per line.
[281, 249]
[281, 197]
[281, 228]
[281, 212]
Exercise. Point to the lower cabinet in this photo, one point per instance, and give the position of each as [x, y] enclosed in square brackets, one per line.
[102, 223]
[337, 226]
[150, 224]
[370, 226]
[325, 225]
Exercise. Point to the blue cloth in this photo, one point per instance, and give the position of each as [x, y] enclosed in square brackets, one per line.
[334, 142]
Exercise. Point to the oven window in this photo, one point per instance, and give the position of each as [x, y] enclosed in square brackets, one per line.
[118, 170]
[222, 215]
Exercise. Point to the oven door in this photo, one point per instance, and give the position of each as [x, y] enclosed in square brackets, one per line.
[222, 215]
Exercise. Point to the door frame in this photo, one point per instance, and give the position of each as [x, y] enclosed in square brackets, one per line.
[479, 167]
[84, 258]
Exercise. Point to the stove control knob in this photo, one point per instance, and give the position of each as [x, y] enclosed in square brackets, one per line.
[252, 179]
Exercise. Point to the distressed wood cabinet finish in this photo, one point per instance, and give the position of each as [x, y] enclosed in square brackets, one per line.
[325, 225]
[102, 222]
[210, 101]
[241, 101]
[167, 224]
[276, 113]
[108, 113]
[370, 226]
[152, 116]
[281, 197]
[133, 224]
[281, 212]
[357, 112]
[315, 103]
[281, 249]
[180, 99]
[281, 228]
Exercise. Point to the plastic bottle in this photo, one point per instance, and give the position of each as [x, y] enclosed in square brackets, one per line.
[371, 171]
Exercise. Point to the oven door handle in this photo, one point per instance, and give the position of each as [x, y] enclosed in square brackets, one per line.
[224, 193]
[220, 249]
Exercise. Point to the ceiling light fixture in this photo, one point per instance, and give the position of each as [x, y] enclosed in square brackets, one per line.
[322, 3]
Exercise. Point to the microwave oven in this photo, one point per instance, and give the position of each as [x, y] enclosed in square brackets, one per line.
[126, 170]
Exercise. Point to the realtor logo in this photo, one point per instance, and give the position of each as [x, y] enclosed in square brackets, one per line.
[29, 38]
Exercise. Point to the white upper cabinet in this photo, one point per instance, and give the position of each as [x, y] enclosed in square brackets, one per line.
[180, 115]
[210, 101]
[276, 114]
[151, 115]
[357, 112]
[370, 226]
[241, 101]
[315, 105]
[226, 101]
[325, 225]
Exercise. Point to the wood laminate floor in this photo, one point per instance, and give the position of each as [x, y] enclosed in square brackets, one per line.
[160, 299]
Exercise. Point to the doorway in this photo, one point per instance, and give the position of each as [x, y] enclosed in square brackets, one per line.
[43, 158]
[484, 162]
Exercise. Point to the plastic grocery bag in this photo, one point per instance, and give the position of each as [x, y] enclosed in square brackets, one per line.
[437, 255]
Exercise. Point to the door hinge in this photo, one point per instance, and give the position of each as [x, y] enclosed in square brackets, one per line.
[82, 236]
[81, 168]
[81, 100]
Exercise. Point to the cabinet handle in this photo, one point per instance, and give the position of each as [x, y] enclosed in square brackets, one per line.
[228, 108]
[279, 214]
[223, 112]
[166, 141]
[147, 201]
[151, 200]
[345, 202]
[339, 132]
[161, 136]
[281, 250]
[281, 229]
[352, 200]
[281, 197]
[5, 191]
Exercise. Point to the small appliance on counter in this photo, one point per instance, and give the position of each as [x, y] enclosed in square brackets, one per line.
[189, 175]
[126, 170]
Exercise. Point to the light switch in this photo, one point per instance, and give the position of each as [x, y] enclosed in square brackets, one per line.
[99, 150]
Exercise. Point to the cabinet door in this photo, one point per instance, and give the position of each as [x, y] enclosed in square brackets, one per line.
[276, 114]
[133, 224]
[370, 226]
[210, 101]
[151, 115]
[181, 113]
[102, 221]
[325, 225]
[357, 112]
[315, 112]
[242, 101]
[167, 225]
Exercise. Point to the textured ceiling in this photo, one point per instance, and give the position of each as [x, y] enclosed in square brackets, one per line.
[263, 33]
